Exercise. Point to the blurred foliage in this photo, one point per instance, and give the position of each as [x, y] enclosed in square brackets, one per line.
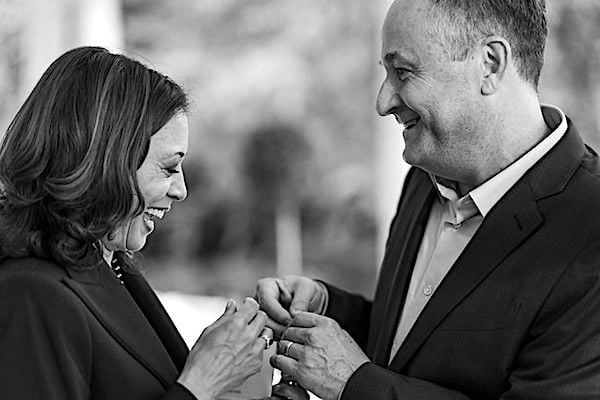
[282, 97]
[11, 27]
[283, 103]
[573, 79]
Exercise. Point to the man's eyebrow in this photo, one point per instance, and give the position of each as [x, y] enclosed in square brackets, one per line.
[390, 57]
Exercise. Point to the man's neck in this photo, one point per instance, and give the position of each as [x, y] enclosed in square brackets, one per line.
[521, 130]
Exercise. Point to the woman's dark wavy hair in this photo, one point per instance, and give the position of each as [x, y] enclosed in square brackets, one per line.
[69, 158]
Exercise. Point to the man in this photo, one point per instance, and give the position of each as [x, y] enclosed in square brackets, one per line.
[490, 285]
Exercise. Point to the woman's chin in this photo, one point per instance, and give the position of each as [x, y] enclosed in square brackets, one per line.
[136, 241]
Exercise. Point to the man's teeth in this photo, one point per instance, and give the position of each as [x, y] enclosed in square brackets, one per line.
[411, 123]
[156, 213]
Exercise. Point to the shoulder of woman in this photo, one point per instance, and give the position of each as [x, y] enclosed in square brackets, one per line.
[38, 309]
[30, 269]
[33, 285]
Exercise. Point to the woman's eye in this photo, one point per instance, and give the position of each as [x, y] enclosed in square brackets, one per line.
[171, 170]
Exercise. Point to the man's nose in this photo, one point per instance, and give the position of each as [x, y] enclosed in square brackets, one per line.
[387, 99]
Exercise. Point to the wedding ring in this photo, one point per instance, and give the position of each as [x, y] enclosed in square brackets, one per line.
[287, 349]
[267, 335]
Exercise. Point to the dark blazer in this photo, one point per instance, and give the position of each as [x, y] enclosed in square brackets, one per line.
[517, 316]
[67, 335]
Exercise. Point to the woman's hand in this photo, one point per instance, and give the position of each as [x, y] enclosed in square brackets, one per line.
[226, 353]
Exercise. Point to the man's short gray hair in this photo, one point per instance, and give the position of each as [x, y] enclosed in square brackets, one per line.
[459, 24]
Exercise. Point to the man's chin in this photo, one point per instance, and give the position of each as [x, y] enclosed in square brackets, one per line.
[413, 157]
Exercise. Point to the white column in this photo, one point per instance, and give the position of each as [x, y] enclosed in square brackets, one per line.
[390, 168]
[101, 24]
[55, 26]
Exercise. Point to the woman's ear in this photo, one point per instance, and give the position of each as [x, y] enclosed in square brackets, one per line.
[496, 54]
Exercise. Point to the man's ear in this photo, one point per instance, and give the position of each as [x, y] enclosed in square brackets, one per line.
[496, 54]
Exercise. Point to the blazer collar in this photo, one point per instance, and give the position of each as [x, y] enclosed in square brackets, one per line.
[552, 173]
[110, 302]
[511, 221]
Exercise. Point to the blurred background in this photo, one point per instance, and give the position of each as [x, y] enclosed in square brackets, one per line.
[290, 170]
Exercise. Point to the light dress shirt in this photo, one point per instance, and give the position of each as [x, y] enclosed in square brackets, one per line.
[453, 221]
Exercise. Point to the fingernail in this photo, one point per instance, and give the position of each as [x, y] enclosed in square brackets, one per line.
[250, 300]
[230, 303]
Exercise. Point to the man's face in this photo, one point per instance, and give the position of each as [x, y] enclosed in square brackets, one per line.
[434, 97]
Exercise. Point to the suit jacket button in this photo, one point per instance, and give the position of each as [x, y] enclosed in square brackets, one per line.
[427, 290]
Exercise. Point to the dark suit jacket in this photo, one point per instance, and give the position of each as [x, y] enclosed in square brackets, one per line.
[67, 335]
[517, 316]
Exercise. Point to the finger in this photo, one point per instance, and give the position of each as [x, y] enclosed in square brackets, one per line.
[259, 346]
[285, 296]
[248, 310]
[290, 349]
[230, 308]
[267, 335]
[298, 335]
[269, 297]
[276, 327]
[307, 320]
[303, 295]
[257, 324]
[286, 365]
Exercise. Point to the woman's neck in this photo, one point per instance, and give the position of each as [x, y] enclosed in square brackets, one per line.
[107, 254]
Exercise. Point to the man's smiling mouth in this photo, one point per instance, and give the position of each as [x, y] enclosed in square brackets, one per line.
[411, 123]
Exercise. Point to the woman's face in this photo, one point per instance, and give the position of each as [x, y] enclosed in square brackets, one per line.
[160, 179]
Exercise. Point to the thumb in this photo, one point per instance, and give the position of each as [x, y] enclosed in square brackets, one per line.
[302, 298]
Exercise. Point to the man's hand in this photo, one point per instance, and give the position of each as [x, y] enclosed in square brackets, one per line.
[282, 298]
[321, 356]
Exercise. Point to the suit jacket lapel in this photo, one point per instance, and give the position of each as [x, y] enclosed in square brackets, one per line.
[398, 265]
[112, 305]
[514, 218]
[158, 317]
[500, 233]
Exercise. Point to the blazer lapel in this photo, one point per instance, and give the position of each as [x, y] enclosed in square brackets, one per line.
[499, 234]
[112, 305]
[514, 218]
[398, 264]
[158, 317]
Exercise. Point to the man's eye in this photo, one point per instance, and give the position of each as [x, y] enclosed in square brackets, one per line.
[402, 73]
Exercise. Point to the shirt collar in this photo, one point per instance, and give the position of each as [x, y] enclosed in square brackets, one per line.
[486, 195]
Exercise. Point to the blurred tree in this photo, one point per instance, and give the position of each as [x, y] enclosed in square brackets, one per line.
[274, 161]
[246, 64]
[12, 17]
[578, 38]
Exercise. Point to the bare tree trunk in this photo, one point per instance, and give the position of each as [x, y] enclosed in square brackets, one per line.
[288, 236]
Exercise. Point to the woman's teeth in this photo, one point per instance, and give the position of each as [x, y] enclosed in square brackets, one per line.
[155, 213]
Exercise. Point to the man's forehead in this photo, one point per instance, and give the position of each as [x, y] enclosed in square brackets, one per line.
[402, 33]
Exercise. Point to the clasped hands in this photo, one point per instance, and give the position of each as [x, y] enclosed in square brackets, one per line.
[313, 349]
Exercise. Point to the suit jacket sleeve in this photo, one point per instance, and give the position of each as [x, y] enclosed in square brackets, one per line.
[352, 312]
[46, 346]
[560, 357]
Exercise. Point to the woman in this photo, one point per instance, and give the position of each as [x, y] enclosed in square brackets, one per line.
[89, 164]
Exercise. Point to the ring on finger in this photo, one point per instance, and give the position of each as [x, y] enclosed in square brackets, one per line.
[286, 349]
[267, 335]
